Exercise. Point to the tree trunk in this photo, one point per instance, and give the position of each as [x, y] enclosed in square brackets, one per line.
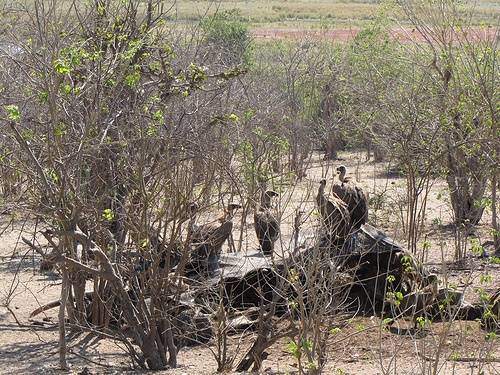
[494, 221]
[465, 177]
[331, 152]
[466, 194]
[62, 318]
[254, 354]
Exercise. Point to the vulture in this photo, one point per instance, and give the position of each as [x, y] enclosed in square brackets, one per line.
[208, 239]
[193, 228]
[334, 213]
[353, 196]
[266, 226]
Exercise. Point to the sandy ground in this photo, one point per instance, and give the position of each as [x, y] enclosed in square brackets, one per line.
[29, 345]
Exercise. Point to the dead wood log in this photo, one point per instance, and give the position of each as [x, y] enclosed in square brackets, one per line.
[429, 303]
[53, 304]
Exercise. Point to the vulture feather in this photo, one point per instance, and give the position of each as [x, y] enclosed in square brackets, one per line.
[208, 239]
[266, 226]
[353, 196]
[334, 213]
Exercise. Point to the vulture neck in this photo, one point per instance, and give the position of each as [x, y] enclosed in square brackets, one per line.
[342, 175]
[265, 201]
[228, 215]
[192, 226]
[321, 194]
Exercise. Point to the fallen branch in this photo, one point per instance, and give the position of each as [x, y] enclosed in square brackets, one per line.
[71, 351]
[38, 249]
[45, 307]
[15, 318]
[51, 305]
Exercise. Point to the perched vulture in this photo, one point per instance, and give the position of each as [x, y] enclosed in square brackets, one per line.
[353, 196]
[266, 226]
[334, 213]
[193, 228]
[208, 239]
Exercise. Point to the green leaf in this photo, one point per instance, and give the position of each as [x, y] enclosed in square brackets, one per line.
[61, 67]
[13, 114]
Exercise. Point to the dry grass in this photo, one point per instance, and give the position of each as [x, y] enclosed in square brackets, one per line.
[303, 14]
[306, 13]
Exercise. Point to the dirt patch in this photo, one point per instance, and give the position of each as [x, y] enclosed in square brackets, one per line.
[399, 34]
[334, 34]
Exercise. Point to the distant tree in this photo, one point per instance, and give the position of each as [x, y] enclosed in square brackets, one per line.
[374, 79]
[226, 39]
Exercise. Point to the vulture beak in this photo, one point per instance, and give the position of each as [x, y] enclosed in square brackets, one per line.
[272, 193]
